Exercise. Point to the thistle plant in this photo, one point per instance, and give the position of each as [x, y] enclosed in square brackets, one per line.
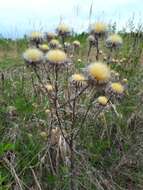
[73, 96]
[76, 46]
[36, 38]
[113, 42]
[97, 30]
[54, 44]
[63, 31]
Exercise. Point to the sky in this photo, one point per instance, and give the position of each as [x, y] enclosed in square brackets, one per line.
[19, 17]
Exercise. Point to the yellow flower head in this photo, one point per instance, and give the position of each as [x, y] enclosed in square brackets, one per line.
[33, 55]
[117, 87]
[76, 43]
[49, 87]
[102, 100]
[36, 35]
[56, 56]
[44, 47]
[114, 40]
[98, 28]
[99, 71]
[63, 28]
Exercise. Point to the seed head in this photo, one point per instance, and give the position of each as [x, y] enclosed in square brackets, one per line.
[117, 87]
[56, 57]
[33, 55]
[49, 87]
[36, 35]
[99, 71]
[50, 35]
[76, 43]
[63, 29]
[102, 100]
[54, 43]
[36, 38]
[98, 28]
[114, 41]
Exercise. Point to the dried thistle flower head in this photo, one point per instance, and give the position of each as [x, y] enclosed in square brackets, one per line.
[44, 47]
[103, 100]
[56, 57]
[117, 87]
[99, 28]
[44, 135]
[54, 43]
[91, 38]
[50, 35]
[36, 37]
[114, 41]
[76, 43]
[33, 56]
[63, 29]
[49, 87]
[99, 71]
[78, 80]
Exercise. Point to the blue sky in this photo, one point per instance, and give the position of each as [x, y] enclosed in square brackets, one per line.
[18, 17]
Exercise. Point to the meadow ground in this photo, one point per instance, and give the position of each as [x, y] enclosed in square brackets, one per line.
[110, 148]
